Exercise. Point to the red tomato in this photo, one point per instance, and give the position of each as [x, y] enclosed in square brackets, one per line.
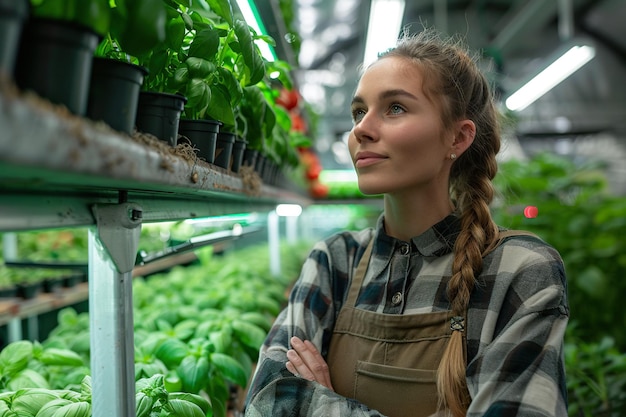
[297, 123]
[318, 190]
[313, 172]
[288, 99]
[308, 157]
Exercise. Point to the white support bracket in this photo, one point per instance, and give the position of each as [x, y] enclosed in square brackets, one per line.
[112, 250]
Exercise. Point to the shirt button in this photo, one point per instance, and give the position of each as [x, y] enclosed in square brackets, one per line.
[396, 299]
[404, 249]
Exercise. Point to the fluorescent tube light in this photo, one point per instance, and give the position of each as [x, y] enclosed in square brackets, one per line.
[253, 18]
[563, 67]
[285, 210]
[383, 27]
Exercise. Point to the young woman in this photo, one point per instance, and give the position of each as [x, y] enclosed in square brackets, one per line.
[436, 310]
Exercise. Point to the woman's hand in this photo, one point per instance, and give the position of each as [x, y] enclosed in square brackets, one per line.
[305, 361]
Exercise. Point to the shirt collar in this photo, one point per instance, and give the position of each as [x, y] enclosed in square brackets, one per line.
[436, 241]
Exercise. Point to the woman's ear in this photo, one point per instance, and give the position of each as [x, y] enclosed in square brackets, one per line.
[464, 137]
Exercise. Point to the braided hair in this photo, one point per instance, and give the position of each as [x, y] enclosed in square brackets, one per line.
[453, 79]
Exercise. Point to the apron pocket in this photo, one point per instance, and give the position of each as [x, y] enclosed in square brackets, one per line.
[396, 391]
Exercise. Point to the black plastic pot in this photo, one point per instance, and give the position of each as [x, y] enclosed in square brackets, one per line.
[55, 59]
[224, 149]
[202, 134]
[259, 163]
[52, 284]
[8, 292]
[114, 93]
[29, 290]
[249, 157]
[13, 13]
[239, 147]
[159, 114]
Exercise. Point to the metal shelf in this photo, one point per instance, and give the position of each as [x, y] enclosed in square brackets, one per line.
[54, 168]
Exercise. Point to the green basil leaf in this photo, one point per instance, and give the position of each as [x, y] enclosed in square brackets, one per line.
[249, 334]
[269, 121]
[200, 401]
[205, 44]
[261, 320]
[29, 401]
[175, 33]
[27, 378]
[199, 67]
[230, 368]
[95, 14]
[222, 339]
[75, 409]
[194, 373]
[185, 408]
[143, 405]
[61, 357]
[180, 78]
[252, 59]
[219, 106]
[148, 19]
[223, 9]
[228, 80]
[199, 96]
[51, 408]
[171, 352]
[15, 356]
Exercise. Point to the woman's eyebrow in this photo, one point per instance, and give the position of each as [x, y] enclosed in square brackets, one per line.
[357, 100]
[397, 92]
[386, 94]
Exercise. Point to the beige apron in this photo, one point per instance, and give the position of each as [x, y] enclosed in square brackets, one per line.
[387, 361]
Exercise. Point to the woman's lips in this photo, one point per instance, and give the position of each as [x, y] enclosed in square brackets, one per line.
[367, 159]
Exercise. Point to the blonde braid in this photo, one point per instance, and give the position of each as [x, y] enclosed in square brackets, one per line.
[477, 231]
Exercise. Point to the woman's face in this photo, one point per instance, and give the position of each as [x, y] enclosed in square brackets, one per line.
[397, 143]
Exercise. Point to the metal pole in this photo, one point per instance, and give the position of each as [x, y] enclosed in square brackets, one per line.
[112, 251]
[292, 229]
[9, 246]
[273, 237]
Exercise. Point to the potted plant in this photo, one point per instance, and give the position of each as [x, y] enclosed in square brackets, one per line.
[194, 71]
[60, 37]
[114, 89]
[116, 78]
[160, 102]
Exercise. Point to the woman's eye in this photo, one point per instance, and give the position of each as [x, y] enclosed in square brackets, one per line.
[396, 109]
[357, 115]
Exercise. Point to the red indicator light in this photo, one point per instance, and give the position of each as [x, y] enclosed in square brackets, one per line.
[531, 212]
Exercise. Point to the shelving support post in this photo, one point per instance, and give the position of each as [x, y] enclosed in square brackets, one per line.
[113, 247]
[273, 240]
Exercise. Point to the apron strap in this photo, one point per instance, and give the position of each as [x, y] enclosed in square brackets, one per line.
[503, 235]
[359, 275]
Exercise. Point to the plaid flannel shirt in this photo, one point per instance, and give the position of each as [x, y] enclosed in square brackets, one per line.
[516, 320]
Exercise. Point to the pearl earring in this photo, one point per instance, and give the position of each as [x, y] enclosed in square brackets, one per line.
[453, 156]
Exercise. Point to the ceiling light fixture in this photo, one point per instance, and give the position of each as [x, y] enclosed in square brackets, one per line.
[253, 18]
[383, 27]
[559, 70]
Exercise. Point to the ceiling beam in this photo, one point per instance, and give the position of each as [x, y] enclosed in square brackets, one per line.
[521, 22]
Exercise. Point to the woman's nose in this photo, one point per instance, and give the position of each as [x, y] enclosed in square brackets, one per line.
[366, 129]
